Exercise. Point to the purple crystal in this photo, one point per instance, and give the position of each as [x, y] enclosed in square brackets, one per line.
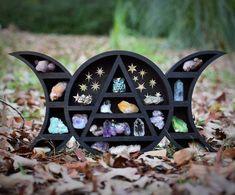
[100, 146]
[108, 129]
[158, 119]
[122, 128]
[111, 128]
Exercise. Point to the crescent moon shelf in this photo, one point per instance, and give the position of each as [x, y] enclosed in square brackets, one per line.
[118, 98]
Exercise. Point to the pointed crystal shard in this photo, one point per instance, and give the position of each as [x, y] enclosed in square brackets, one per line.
[139, 129]
[179, 91]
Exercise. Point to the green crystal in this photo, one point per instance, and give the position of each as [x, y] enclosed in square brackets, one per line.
[179, 125]
[57, 126]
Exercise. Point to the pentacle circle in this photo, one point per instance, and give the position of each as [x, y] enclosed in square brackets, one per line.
[118, 98]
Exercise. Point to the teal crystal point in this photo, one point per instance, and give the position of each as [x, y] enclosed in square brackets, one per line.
[179, 91]
[57, 126]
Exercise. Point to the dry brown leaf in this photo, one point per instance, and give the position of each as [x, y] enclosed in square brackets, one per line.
[128, 173]
[54, 168]
[155, 153]
[229, 153]
[183, 156]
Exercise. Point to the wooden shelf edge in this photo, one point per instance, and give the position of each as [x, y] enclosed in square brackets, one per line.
[184, 135]
[118, 139]
[54, 75]
[182, 75]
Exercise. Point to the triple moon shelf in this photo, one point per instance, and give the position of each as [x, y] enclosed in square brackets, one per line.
[115, 64]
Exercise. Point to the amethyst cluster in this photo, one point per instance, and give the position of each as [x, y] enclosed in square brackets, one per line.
[111, 128]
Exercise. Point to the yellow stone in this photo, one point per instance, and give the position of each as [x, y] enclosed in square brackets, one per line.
[126, 107]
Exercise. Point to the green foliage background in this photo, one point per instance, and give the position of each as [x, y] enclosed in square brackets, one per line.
[184, 23]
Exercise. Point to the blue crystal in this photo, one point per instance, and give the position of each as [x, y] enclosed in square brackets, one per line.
[79, 121]
[57, 126]
[119, 85]
[179, 91]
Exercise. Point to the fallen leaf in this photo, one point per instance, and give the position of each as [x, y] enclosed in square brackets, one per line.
[183, 156]
[229, 153]
[128, 173]
[156, 153]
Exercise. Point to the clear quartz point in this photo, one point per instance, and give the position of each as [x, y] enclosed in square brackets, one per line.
[179, 91]
[139, 129]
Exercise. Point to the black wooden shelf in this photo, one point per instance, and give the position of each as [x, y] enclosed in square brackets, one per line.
[54, 75]
[184, 135]
[119, 115]
[116, 64]
[53, 136]
[183, 75]
[157, 107]
[118, 138]
[79, 108]
[125, 95]
[181, 103]
[56, 104]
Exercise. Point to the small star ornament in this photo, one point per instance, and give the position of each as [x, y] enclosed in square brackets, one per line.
[141, 87]
[100, 71]
[132, 68]
[152, 83]
[83, 87]
[95, 86]
[142, 73]
[88, 77]
[135, 78]
[76, 97]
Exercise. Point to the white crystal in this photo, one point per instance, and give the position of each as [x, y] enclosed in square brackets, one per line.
[139, 129]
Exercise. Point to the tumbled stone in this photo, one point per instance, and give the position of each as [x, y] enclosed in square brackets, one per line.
[57, 126]
[192, 64]
[126, 107]
[44, 66]
[57, 91]
[79, 121]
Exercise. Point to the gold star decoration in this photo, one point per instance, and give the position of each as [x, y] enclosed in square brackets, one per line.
[95, 86]
[83, 87]
[135, 78]
[142, 73]
[152, 83]
[76, 97]
[88, 77]
[141, 87]
[132, 68]
[99, 71]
